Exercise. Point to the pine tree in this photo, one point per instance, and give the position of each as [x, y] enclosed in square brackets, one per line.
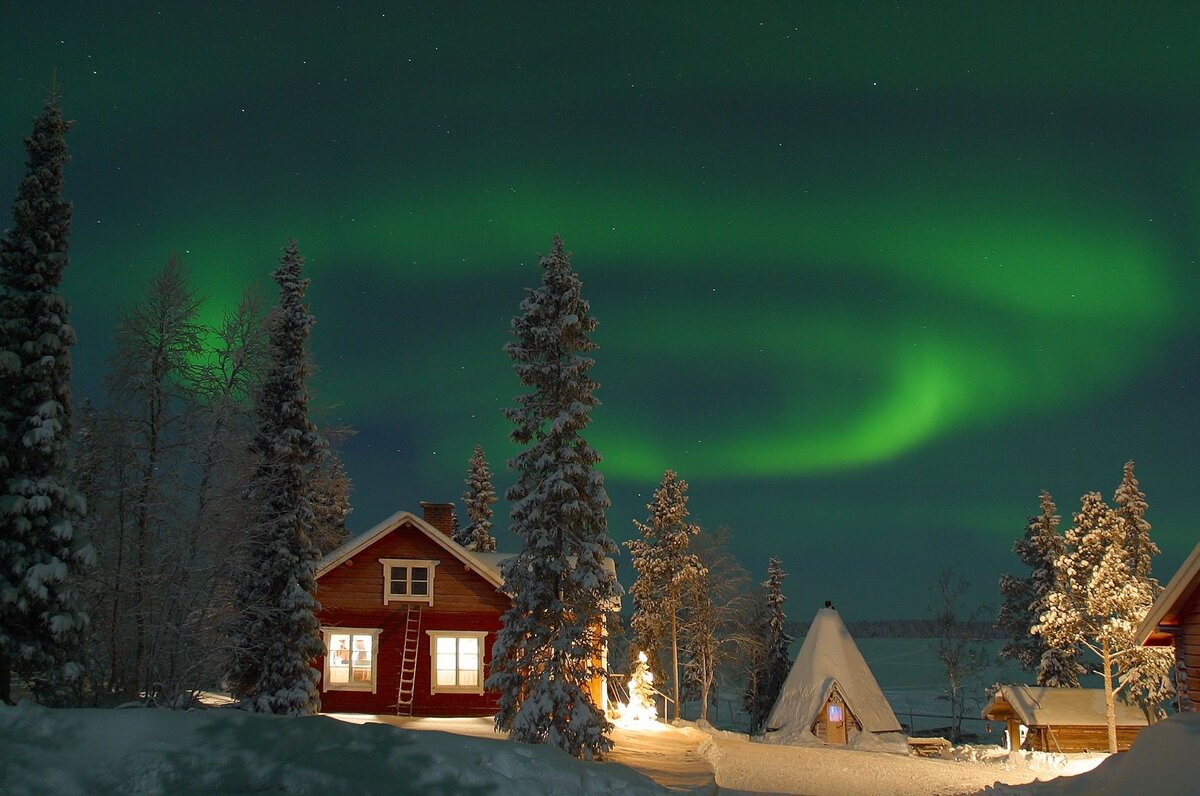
[276, 635]
[548, 649]
[664, 567]
[778, 657]
[1024, 600]
[478, 500]
[1146, 671]
[1131, 509]
[1099, 603]
[42, 548]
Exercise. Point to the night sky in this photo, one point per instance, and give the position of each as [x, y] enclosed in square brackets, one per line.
[868, 278]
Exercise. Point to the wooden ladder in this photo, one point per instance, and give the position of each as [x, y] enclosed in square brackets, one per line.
[408, 663]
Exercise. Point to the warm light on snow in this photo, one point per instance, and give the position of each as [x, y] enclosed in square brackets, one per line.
[639, 711]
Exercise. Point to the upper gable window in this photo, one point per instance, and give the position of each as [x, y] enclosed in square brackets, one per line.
[407, 580]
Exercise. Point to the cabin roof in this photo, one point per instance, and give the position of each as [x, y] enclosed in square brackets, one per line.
[1041, 706]
[486, 564]
[1165, 613]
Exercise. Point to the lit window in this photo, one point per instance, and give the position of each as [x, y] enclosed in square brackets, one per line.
[407, 580]
[835, 713]
[351, 658]
[457, 661]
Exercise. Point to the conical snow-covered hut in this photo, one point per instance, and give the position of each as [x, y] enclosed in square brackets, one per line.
[831, 697]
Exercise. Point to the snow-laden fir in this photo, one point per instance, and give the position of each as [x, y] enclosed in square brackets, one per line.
[276, 631]
[42, 549]
[549, 647]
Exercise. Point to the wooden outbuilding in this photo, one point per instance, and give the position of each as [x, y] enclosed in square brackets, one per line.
[1043, 719]
[409, 618]
[1174, 620]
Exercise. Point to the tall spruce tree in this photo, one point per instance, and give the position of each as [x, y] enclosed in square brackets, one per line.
[1024, 600]
[478, 500]
[276, 635]
[1145, 671]
[42, 547]
[549, 648]
[1131, 509]
[664, 566]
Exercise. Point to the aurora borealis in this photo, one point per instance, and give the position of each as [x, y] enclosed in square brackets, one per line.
[868, 278]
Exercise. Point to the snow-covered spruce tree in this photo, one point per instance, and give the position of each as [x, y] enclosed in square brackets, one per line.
[664, 566]
[1131, 509]
[548, 649]
[778, 658]
[478, 500]
[1146, 671]
[1024, 600]
[1099, 603]
[42, 549]
[275, 637]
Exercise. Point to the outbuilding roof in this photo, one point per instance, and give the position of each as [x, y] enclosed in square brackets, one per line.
[1041, 706]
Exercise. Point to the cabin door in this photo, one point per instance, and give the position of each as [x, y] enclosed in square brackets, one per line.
[835, 723]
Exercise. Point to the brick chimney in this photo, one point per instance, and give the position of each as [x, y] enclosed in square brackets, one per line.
[440, 516]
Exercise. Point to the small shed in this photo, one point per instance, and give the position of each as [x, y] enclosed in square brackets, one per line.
[1174, 620]
[1043, 719]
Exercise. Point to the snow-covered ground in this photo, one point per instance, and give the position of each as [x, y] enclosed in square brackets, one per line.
[226, 751]
[146, 751]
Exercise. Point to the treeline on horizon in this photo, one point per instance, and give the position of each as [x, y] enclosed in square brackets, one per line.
[903, 628]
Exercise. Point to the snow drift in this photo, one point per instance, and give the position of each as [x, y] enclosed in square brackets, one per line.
[229, 751]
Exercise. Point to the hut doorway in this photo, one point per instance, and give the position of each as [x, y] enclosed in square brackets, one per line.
[835, 723]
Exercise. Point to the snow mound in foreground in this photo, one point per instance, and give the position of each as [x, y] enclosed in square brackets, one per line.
[228, 751]
[1161, 761]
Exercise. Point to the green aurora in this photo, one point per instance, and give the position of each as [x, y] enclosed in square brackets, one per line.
[869, 279]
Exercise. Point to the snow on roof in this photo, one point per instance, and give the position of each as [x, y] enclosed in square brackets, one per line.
[1038, 706]
[488, 567]
[486, 564]
[1169, 603]
[830, 657]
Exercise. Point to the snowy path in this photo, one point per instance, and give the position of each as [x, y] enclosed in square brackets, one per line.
[671, 756]
[688, 759]
[674, 757]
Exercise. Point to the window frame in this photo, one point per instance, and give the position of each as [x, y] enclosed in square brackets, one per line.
[409, 563]
[327, 633]
[434, 635]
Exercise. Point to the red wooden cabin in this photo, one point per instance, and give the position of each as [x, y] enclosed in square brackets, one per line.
[409, 618]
